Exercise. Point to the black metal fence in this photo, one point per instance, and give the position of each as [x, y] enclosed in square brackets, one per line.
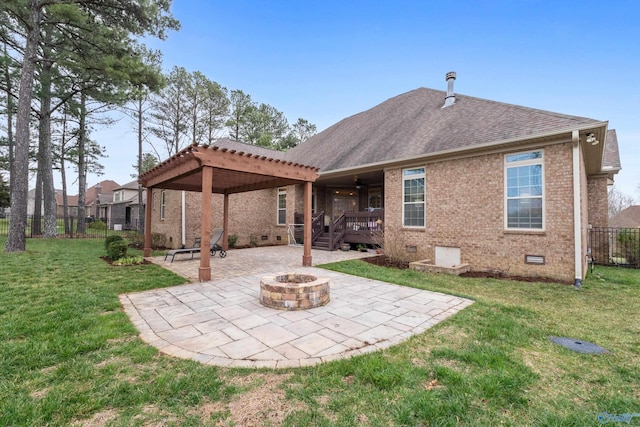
[72, 228]
[615, 246]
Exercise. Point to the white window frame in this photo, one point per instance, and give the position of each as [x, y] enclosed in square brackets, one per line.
[515, 163]
[162, 204]
[420, 175]
[281, 192]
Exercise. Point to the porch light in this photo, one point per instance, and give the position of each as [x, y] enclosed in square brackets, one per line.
[591, 139]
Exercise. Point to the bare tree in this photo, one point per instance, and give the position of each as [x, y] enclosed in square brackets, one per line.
[618, 201]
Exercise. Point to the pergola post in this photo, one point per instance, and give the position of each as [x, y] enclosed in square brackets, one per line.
[225, 222]
[147, 223]
[204, 272]
[306, 257]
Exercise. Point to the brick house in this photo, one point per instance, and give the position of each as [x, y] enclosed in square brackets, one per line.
[453, 178]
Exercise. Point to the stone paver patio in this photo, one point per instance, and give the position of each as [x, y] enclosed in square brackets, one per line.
[222, 322]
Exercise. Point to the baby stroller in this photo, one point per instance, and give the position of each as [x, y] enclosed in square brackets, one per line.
[215, 246]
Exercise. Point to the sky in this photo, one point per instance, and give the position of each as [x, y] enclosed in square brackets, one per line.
[327, 60]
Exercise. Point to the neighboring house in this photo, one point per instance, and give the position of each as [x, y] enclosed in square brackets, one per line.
[451, 178]
[98, 195]
[72, 204]
[123, 211]
[627, 218]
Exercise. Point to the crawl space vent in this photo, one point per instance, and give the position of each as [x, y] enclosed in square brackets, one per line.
[534, 259]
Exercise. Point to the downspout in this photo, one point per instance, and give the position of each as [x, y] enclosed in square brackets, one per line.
[577, 225]
[183, 225]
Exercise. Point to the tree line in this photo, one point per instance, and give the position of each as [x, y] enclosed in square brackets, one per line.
[66, 64]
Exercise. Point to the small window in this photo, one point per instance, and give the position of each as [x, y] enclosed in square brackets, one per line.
[524, 191]
[162, 204]
[413, 197]
[282, 206]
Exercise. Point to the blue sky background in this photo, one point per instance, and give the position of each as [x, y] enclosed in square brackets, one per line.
[327, 60]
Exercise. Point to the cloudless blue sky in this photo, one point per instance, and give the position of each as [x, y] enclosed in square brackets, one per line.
[327, 60]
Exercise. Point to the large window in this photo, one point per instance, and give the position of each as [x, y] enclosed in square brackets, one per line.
[413, 197]
[282, 206]
[524, 189]
[162, 199]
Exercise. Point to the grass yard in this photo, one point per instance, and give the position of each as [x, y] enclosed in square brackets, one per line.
[70, 356]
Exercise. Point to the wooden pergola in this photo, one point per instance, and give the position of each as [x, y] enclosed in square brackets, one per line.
[211, 169]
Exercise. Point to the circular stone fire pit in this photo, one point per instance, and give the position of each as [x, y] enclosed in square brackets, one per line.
[294, 291]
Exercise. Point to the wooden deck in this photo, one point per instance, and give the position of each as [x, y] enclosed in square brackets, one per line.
[351, 227]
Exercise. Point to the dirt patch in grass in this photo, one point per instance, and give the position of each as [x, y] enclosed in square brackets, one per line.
[264, 403]
[505, 276]
[99, 419]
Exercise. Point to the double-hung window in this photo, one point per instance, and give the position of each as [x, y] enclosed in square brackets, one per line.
[413, 197]
[524, 190]
[282, 206]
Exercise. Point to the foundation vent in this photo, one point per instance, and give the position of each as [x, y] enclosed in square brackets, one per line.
[534, 259]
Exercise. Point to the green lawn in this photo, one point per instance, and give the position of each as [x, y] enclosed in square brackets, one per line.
[70, 356]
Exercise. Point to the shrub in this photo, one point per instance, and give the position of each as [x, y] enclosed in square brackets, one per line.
[117, 249]
[232, 239]
[253, 240]
[629, 245]
[393, 243]
[97, 225]
[129, 260]
[110, 239]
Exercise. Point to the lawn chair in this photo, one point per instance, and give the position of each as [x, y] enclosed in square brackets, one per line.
[195, 249]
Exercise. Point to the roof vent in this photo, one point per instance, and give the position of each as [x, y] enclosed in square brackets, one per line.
[450, 99]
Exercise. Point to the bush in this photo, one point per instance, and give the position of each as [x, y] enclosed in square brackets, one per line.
[117, 249]
[253, 240]
[130, 260]
[110, 239]
[97, 225]
[232, 240]
[629, 245]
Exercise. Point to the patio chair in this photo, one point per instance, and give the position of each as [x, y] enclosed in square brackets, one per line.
[195, 249]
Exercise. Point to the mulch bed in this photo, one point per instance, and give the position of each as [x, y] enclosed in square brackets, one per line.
[384, 261]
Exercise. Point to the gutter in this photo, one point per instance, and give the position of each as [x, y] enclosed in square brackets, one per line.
[183, 224]
[577, 225]
[498, 146]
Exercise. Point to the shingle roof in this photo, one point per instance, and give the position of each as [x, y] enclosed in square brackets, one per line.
[627, 218]
[414, 124]
[249, 148]
[611, 154]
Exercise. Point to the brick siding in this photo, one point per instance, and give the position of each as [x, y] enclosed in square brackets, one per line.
[465, 209]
